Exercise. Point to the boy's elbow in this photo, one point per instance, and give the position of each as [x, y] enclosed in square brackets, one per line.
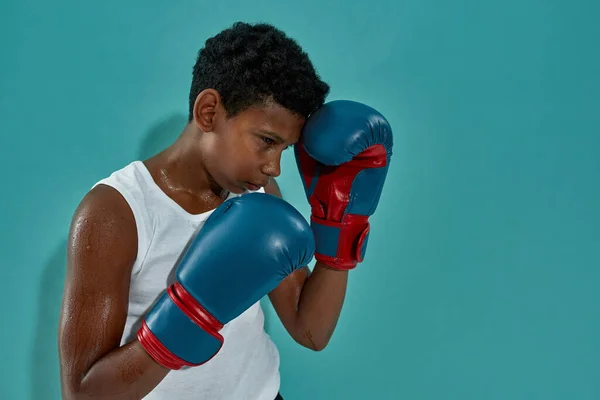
[310, 342]
[318, 347]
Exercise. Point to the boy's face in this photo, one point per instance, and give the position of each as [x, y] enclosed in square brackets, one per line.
[243, 152]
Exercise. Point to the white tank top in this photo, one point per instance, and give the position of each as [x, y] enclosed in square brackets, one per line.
[247, 367]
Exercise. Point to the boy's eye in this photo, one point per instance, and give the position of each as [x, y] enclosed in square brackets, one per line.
[268, 140]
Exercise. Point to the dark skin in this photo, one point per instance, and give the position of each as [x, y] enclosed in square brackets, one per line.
[214, 155]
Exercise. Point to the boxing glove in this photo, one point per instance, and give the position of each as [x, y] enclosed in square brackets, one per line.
[246, 247]
[343, 156]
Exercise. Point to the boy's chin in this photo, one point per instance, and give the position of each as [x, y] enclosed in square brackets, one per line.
[237, 190]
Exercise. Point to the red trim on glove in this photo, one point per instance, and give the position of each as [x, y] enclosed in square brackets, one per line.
[158, 351]
[194, 311]
[373, 157]
[330, 197]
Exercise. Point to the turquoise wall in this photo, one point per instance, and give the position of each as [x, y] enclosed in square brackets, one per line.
[482, 275]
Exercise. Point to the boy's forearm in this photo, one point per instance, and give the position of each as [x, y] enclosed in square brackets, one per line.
[125, 373]
[320, 305]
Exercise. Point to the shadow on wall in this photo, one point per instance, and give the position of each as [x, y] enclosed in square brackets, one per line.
[45, 378]
[161, 135]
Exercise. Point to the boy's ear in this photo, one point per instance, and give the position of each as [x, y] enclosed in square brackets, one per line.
[207, 108]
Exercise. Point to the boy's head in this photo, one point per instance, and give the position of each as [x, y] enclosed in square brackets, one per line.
[252, 90]
[254, 64]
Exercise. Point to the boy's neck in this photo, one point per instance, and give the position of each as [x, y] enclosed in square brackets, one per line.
[180, 169]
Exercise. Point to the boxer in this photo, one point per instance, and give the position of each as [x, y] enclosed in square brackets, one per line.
[169, 257]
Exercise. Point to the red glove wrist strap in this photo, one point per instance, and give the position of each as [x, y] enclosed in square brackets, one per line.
[195, 312]
[353, 233]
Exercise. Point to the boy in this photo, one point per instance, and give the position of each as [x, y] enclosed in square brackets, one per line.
[252, 93]
[252, 90]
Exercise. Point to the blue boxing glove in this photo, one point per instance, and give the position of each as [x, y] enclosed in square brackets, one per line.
[247, 246]
[343, 156]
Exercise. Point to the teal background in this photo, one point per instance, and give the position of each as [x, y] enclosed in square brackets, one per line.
[482, 273]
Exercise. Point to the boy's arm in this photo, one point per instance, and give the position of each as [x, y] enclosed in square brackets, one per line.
[102, 248]
[309, 303]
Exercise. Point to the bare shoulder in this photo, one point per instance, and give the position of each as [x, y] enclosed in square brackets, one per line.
[102, 245]
[103, 225]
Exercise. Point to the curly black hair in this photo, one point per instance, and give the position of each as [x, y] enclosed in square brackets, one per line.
[255, 64]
